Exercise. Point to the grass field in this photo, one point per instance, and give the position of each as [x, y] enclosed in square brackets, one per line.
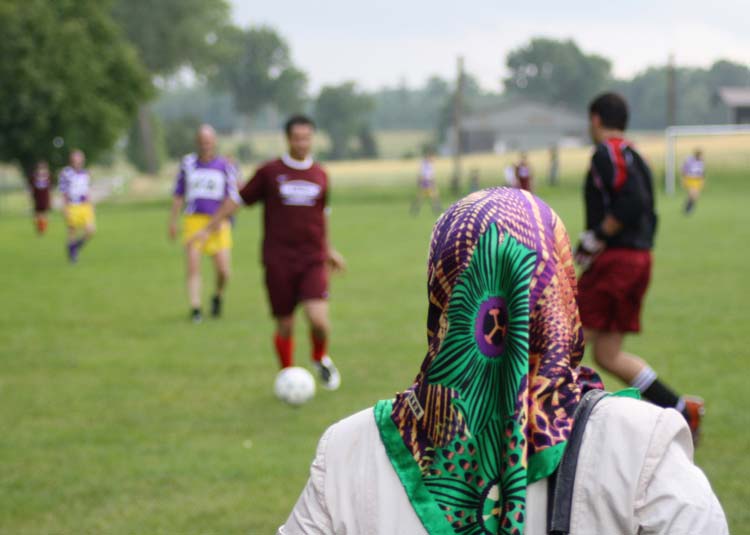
[118, 416]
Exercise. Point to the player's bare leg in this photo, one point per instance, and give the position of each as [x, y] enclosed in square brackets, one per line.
[222, 265]
[608, 355]
[692, 197]
[316, 311]
[193, 257]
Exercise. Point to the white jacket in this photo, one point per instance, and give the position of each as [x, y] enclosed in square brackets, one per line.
[635, 476]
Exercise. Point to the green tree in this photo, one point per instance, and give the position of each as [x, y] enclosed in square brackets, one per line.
[136, 148]
[179, 135]
[556, 72]
[68, 76]
[697, 90]
[169, 34]
[342, 111]
[256, 67]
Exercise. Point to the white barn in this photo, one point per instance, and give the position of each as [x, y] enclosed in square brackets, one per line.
[521, 125]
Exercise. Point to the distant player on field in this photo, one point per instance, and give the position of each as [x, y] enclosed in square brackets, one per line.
[693, 178]
[203, 182]
[615, 254]
[426, 187]
[524, 176]
[296, 252]
[74, 183]
[39, 185]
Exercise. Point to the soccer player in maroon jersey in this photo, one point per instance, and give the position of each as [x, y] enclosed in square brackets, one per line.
[615, 254]
[524, 176]
[296, 254]
[39, 185]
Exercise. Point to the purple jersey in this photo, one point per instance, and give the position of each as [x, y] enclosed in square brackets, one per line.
[205, 185]
[74, 184]
[694, 167]
[426, 174]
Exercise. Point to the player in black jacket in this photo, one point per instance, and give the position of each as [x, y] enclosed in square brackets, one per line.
[615, 254]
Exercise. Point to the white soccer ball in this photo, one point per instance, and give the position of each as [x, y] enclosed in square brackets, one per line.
[294, 385]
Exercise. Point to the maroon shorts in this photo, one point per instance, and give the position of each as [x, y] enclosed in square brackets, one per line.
[41, 200]
[288, 285]
[611, 291]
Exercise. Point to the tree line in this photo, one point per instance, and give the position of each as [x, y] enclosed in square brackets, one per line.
[81, 73]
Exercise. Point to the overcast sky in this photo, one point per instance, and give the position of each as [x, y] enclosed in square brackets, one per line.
[380, 42]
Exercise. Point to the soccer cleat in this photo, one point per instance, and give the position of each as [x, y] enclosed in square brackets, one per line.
[693, 413]
[216, 306]
[196, 316]
[328, 373]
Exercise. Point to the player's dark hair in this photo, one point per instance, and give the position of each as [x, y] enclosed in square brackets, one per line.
[611, 109]
[295, 120]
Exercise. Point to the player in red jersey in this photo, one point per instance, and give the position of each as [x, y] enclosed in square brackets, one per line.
[39, 185]
[296, 254]
[524, 176]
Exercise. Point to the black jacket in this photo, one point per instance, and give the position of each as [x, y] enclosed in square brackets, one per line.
[619, 183]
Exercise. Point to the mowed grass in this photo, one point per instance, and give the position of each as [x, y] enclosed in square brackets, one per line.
[118, 416]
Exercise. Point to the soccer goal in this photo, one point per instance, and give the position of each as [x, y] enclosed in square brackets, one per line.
[672, 133]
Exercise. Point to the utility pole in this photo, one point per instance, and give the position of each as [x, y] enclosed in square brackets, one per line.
[457, 128]
[671, 92]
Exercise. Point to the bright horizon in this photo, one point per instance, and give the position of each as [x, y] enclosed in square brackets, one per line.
[383, 43]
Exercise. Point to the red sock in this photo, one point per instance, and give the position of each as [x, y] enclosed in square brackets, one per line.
[284, 349]
[319, 347]
[41, 225]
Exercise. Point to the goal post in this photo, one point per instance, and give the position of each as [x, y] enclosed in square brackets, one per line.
[673, 132]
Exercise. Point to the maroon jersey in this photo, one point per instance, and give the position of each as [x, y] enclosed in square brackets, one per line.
[524, 177]
[294, 195]
[39, 183]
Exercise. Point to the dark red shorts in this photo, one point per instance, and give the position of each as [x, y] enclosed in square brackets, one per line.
[288, 285]
[41, 200]
[611, 291]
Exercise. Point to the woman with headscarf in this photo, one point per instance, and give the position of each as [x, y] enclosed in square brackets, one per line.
[473, 446]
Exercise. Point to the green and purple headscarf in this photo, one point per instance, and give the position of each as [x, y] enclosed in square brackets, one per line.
[492, 406]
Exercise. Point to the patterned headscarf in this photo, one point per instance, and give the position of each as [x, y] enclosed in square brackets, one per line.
[492, 406]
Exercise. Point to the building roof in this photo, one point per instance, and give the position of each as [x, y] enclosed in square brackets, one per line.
[526, 116]
[735, 97]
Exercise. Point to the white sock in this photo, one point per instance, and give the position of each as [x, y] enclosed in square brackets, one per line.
[644, 379]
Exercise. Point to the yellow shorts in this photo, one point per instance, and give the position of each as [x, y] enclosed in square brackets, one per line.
[694, 183]
[79, 215]
[218, 241]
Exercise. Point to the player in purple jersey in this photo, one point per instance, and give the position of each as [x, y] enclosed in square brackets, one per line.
[693, 178]
[74, 183]
[203, 182]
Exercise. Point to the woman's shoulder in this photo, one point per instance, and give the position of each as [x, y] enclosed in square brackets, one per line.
[628, 420]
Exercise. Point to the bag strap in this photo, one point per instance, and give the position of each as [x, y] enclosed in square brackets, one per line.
[560, 484]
